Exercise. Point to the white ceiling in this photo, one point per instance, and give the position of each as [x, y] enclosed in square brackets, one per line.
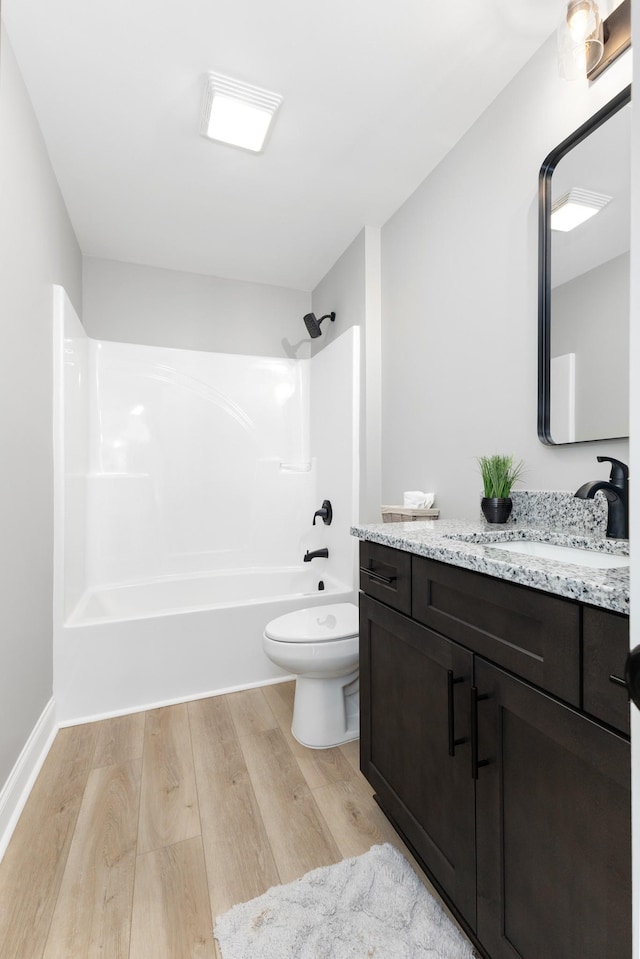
[375, 94]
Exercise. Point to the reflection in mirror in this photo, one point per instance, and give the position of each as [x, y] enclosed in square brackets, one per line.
[583, 378]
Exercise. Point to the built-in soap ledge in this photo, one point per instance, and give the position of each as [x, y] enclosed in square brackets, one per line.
[116, 475]
[95, 474]
[295, 467]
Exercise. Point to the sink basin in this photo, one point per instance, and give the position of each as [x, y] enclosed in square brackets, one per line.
[564, 554]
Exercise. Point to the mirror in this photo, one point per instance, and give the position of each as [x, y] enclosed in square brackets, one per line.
[583, 282]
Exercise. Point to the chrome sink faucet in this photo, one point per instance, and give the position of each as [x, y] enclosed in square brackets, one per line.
[616, 490]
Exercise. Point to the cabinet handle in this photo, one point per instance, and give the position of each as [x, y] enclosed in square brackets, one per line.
[632, 675]
[453, 742]
[617, 681]
[380, 578]
[475, 762]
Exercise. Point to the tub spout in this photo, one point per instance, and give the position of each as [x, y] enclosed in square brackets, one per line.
[316, 554]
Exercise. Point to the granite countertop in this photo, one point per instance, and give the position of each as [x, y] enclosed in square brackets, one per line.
[474, 545]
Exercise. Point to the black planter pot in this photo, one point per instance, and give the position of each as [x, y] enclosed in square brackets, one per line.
[496, 510]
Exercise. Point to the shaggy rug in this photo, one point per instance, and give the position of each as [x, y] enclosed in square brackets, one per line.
[370, 907]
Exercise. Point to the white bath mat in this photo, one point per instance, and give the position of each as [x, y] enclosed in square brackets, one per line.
[370, 907]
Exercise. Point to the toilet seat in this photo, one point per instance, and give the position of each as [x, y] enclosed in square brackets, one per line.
[319, 624]
[320, 646]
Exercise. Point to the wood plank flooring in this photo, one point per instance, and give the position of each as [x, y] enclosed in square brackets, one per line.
[142, 829]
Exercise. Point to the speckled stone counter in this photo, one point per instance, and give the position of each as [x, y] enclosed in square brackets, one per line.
[475, 545]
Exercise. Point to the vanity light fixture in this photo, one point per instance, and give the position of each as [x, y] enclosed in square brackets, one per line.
[237, 113]
[574, 207]
[587, 45]
[580, 39]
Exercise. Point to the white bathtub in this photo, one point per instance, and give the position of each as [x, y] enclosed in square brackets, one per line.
[133, 646]
[168, 596]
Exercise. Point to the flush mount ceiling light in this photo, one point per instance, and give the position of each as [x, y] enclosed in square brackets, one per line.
[237, 113]
[587, 45]
[576, 206]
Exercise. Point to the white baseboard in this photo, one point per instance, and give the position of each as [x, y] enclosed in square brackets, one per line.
[172, 702]
[15, 791]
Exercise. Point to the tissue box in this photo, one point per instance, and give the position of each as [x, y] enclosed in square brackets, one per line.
[407, 514]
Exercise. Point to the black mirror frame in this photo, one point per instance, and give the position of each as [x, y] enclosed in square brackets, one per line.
[544, 260]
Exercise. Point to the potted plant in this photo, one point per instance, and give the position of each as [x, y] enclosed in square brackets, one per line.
[499, 473]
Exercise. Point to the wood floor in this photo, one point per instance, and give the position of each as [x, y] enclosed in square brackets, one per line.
[142, 829]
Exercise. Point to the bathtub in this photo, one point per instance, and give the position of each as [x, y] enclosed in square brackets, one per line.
[167, 596]
[133, 646]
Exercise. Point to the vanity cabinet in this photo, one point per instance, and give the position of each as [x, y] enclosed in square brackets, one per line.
[416, 700]
[553, 827]
[605, 649]
[494, 739]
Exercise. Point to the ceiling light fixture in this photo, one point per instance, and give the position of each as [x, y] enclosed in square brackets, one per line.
[574, 207]
[237, 113]
[587, 45]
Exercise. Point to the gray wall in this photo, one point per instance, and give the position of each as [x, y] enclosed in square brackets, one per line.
[459, 301]
[141, 304]
[351, 289]
[341, 291]
[37, 249]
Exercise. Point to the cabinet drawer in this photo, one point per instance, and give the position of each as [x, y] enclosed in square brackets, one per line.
[605, 648]
[532, 634]
[385, 574]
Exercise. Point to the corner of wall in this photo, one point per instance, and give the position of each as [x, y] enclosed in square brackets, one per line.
[16, 790]
[352, 288]
[371, 386]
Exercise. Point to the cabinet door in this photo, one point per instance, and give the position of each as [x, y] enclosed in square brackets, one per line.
[414, 710]
[553, 827]
[605, 645]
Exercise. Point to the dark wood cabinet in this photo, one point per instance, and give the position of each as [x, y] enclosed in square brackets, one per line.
[496, 743]
[605, 648]
[553, 827]
[532, 634]
[416, 703]
[385, 574]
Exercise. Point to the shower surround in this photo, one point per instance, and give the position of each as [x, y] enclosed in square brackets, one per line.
[185, 486]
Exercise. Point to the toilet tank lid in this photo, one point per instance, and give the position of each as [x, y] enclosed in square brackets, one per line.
[315, 625]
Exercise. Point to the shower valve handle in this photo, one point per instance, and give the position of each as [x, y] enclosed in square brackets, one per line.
[325, 512]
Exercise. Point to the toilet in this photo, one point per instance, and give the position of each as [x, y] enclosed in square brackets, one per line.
[320, 646]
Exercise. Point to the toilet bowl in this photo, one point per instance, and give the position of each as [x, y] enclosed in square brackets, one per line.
[320, 646]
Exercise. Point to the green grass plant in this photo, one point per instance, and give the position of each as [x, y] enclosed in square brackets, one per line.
[499, 473]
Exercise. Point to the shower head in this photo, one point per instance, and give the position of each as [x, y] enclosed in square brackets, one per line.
[313, 325]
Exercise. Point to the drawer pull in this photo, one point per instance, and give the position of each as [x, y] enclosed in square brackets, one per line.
[475, 762]
[380, 578]
[453, 742]
[618, 681]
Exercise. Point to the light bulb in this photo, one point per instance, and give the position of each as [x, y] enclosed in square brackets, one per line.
[580, 39]
[583, 19]
[578, 24]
